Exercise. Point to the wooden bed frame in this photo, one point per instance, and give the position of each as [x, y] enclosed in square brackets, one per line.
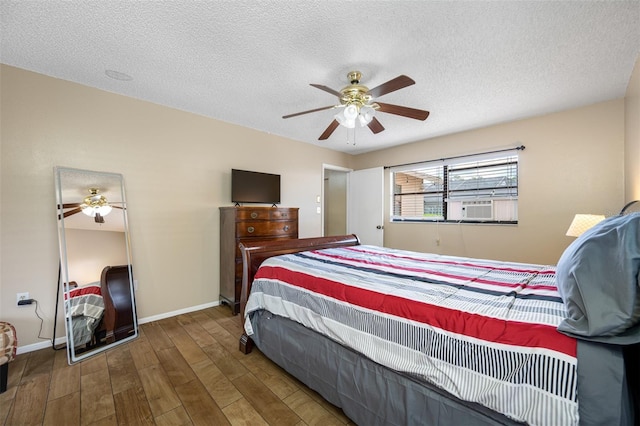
[254, 253]
[115, 286]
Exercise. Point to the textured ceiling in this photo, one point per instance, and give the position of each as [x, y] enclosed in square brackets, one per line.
[475, 63]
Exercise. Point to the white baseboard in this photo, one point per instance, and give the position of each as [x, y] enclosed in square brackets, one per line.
[40, 345]
[63, 340]
[178, 312]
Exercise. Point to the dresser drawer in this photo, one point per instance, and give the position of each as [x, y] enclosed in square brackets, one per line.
[289, 214]
[266, 214]
[264, 229]
[253, 214]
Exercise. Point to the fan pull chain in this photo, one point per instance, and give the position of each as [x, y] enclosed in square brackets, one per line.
[351, 136]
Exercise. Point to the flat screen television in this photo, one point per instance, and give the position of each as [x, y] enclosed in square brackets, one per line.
[254, 187]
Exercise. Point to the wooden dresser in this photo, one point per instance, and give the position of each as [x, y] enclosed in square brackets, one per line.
[238, 224]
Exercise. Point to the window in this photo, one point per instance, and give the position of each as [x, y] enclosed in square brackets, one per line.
[484, 190]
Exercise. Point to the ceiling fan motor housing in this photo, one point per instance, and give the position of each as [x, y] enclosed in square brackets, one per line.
[95, 199]
[355, 93]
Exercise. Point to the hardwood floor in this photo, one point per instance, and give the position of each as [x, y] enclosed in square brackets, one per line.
[182, 370]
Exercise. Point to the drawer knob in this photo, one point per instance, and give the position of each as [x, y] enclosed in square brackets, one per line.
[254, 215]
[250, 229]
[286, 227]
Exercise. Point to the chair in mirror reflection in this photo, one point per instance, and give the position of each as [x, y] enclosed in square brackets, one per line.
[96, 269]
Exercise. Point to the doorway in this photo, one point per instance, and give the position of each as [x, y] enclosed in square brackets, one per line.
[353, 203]
[335, 183]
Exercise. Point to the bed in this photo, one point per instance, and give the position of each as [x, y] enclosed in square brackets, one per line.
[85, 306]
[101, 312]
[396, 337]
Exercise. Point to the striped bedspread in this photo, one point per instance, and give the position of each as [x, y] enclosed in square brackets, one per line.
[485, 331]
[85, 301]
[86, 306]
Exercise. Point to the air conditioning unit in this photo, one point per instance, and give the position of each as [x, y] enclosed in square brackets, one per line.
[477, 210]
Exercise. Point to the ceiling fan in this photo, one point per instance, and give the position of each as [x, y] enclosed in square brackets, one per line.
[358, 108]
[94, 205]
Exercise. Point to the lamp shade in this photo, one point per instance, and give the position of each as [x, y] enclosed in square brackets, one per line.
[353, 115]
[582, 222]
[366, 115]
[347, 117]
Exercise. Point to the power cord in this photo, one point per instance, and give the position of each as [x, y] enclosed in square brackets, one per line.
[35, 311]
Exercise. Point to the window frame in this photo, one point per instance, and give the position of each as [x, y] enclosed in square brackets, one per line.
[508, 191]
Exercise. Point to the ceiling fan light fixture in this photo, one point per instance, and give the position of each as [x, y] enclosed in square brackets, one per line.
[95, 204]
[365, 115]
[349, 124]
[353, 114]
[347, 117]
[93, 210]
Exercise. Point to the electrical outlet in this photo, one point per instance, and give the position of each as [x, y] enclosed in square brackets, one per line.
[21, 296]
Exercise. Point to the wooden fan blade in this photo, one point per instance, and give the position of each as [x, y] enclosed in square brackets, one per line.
[69, 205]
[307, 112]
[327, 89]
[117, 207]
[333, 126]
[417, 114]
[70, 212]
[375, 126]
[391, 86]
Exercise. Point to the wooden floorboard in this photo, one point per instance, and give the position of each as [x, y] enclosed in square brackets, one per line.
[185, 370]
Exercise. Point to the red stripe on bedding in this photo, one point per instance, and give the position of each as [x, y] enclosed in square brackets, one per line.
[463, 278]
[83, 291]
[459, 322]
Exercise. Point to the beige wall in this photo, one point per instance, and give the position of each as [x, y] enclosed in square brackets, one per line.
[572, 164]
[88, 252]
[177, 171]
[632, 136]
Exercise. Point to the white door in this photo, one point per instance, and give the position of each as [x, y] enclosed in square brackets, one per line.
[365, 205]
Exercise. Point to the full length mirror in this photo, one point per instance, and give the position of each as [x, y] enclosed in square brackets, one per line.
[95, 261]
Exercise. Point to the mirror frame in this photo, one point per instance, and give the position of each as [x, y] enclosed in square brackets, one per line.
[62, 174]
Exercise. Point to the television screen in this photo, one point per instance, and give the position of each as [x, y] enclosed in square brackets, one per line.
[254, 187]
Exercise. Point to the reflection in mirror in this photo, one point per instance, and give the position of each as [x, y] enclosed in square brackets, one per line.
[95, 261]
